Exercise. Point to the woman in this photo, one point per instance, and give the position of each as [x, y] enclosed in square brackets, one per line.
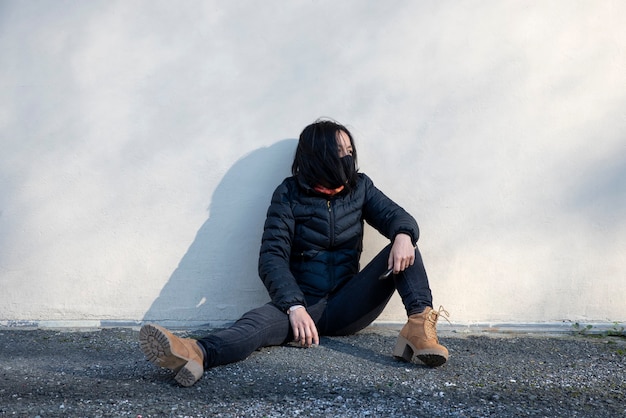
[309, 263]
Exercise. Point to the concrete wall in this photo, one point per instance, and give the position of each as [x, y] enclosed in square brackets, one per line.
[141, 141]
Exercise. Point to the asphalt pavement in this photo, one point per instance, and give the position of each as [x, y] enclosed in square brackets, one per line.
[102, 373]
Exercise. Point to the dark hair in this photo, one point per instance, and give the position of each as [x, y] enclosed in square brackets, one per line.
[317, 158]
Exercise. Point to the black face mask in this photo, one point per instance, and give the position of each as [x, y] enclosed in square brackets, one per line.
[349, 170]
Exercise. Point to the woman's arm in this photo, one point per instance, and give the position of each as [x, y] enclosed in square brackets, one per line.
[275, 252]
[386, 216]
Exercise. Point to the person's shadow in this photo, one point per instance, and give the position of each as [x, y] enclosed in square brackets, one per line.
[217, 281]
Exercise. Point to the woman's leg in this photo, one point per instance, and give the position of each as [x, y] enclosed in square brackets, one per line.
[263, 326]
[360, 301]
[418, 337]
[260, 327]
[188, 357]
[413, 287]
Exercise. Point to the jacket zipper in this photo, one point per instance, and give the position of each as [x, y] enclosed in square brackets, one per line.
[332, 224]
[331, 217]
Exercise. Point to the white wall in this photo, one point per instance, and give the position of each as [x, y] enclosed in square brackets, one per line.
[141, 141]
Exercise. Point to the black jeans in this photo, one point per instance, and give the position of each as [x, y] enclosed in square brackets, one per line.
[347, 310]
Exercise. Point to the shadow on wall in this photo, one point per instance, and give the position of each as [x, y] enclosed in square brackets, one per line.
[217, 280]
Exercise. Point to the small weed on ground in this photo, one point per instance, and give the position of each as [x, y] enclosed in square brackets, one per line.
[616, 331]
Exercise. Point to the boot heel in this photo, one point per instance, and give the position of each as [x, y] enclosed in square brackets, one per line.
[403, 349]
[189, 374]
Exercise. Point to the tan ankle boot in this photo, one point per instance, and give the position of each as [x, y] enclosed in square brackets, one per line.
[418, 338]
[183, 355]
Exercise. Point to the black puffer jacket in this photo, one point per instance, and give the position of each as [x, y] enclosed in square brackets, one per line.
[312, 243]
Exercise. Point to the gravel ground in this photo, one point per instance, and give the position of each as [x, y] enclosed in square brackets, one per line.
[103, 373]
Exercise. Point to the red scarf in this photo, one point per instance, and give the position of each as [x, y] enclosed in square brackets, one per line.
[329, 192]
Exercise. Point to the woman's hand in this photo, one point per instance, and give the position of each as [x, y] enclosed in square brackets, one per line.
[402, 253]
[304, 329]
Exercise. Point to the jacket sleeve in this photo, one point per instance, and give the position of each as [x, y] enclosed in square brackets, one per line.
[386, 216]
[275, 252]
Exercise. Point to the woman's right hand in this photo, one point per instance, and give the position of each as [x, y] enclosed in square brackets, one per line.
[304, 329]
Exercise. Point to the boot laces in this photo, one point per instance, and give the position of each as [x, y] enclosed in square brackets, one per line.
[431, 321]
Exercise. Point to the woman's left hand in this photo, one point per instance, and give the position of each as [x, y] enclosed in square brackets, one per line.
[402, 253]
